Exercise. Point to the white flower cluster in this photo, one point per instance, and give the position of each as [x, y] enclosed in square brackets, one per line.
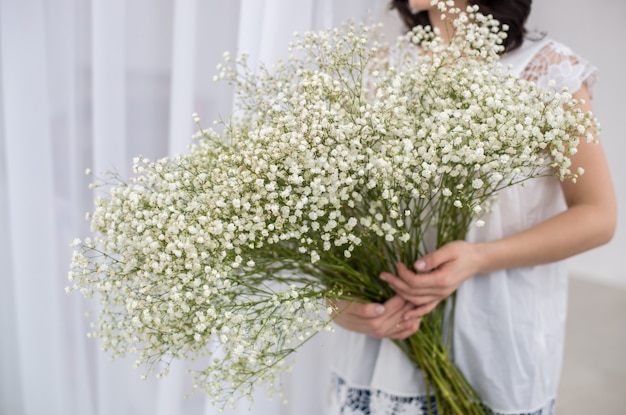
[344, 158]
[161, 300]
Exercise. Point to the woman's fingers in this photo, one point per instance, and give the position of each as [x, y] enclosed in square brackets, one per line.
[391, 323]
[421, 311]
[438, 274]
[405, 329]
[377, 320]
[418, 285]
[363, 310]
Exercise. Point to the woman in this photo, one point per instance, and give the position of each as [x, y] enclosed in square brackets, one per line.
[509, 276]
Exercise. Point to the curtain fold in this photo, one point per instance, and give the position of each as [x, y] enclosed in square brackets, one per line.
[28, 147]
[183, 75]
[108, 23]
[92, 84]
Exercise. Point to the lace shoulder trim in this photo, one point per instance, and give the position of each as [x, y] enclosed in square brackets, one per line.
[555, 66]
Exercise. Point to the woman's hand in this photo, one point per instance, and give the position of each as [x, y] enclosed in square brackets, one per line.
[377, 320]
[438, 275]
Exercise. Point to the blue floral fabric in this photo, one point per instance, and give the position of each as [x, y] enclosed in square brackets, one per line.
[350, 400]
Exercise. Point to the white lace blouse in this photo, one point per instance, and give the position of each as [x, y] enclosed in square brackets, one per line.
[509, 325]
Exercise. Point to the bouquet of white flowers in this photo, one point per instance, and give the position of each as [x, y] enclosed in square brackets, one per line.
[345, 159]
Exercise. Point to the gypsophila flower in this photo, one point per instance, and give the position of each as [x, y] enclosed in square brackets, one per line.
[342, 161]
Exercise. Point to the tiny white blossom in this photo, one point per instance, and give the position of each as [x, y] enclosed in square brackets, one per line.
[477, 183]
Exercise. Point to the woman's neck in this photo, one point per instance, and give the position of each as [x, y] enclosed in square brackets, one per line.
[438, 23]
[444, 25]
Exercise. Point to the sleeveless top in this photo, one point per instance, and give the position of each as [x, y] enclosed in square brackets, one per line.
[509, 324]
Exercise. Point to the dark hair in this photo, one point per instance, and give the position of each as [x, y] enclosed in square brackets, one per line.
[510, 12]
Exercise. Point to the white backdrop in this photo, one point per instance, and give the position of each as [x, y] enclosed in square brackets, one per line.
[92, 83]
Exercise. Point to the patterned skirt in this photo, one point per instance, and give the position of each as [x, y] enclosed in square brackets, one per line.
[350, 400]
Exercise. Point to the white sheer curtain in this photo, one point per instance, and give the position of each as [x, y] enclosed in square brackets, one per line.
[93, 84]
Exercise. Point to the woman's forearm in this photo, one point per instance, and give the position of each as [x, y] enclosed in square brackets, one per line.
[576, 230]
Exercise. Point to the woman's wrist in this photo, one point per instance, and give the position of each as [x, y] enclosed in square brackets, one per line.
[483, 257]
